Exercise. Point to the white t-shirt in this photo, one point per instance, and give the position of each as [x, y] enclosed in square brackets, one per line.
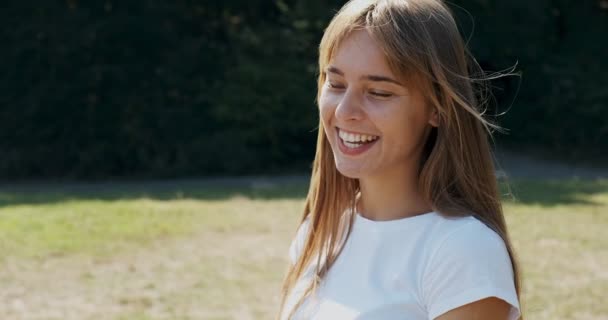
[413, 268]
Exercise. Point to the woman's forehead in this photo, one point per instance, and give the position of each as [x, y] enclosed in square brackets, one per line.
[359, 52]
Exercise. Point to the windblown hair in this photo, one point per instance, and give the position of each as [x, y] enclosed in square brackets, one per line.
[422, 45]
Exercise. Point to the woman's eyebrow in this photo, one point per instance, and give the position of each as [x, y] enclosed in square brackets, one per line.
[332, 69]
[381, 78]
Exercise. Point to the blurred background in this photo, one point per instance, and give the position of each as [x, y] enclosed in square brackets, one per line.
[98, 89]
[154, 154]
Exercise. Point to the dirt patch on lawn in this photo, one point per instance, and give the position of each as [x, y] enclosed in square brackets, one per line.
[185, 278]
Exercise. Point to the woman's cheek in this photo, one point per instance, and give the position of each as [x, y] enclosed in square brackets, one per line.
[382, 109]
[327, 105]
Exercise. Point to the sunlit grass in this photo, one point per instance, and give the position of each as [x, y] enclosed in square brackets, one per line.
[39, 224]
[234, 244]
[89, 225]
[560, 232]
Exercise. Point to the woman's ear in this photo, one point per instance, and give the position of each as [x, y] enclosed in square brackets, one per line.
[434, 119]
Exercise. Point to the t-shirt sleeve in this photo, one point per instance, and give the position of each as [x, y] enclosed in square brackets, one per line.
[470, 264]
[297, 244]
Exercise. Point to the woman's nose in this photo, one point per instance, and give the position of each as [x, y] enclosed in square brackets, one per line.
[349, 107]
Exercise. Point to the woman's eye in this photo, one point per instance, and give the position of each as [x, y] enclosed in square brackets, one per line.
[334, 85]
[381, 94]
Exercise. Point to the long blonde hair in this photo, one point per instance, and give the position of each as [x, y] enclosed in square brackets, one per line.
[420, 40]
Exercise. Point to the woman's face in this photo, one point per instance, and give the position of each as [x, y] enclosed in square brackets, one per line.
[374, 123]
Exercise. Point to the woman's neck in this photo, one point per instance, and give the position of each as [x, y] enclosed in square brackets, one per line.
[391, 196]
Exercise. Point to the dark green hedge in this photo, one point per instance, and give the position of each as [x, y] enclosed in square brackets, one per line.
[174, 88]
[561, 48]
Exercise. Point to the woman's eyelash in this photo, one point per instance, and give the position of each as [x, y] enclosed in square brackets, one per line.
[381, 94]
[374, 93]
[335, 86]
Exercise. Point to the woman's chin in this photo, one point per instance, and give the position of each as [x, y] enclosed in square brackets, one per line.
[350, 172]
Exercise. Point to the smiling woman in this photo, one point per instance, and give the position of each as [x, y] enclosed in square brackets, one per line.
[403, 218]
[364, 99]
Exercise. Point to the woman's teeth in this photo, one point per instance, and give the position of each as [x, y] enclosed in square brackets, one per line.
[353, 140]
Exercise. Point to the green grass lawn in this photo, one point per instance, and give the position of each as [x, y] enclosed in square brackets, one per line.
[195, 251]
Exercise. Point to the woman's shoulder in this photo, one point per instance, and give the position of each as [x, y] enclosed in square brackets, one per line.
[298, 242]
[462, 241]
[468, 246]
[461, 231]
[470, 261]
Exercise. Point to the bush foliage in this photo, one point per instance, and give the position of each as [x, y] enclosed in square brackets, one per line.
[173, 88]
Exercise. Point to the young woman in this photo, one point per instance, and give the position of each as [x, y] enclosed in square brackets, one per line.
[403, 218]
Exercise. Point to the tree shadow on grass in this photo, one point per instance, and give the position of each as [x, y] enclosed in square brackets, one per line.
[212, 189]
[554, 192]
[524, 191]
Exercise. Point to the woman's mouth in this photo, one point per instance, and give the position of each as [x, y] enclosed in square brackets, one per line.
[352, 143]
